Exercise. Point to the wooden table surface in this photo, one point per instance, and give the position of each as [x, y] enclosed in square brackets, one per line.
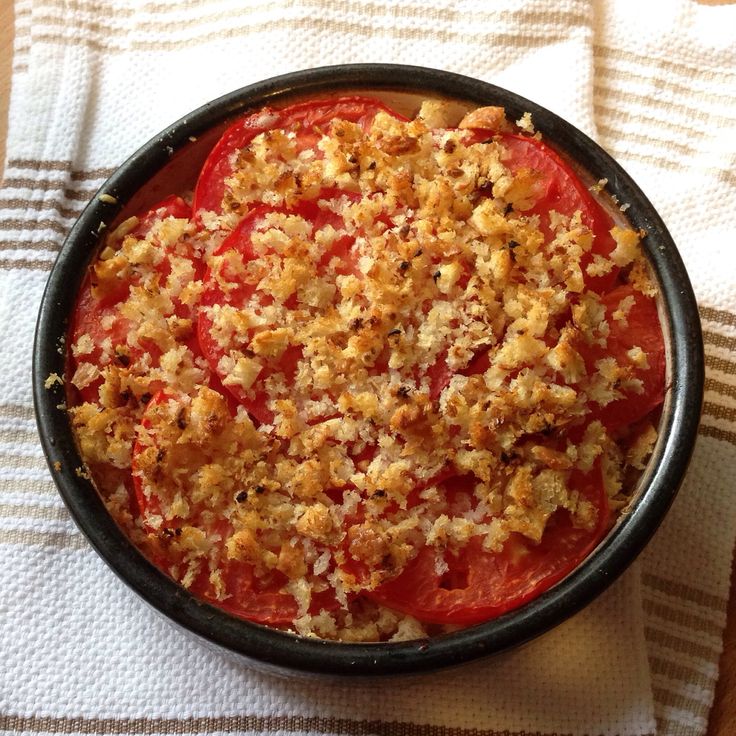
[723, 716]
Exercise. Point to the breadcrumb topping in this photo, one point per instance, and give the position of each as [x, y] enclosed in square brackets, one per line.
[421, 322]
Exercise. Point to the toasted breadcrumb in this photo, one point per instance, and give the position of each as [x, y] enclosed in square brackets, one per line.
[52, 379]
[450, 271]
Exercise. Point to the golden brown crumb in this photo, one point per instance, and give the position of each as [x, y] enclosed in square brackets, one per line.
[338, 491]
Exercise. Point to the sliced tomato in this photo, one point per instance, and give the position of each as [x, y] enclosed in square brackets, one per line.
[479, 585]
[240, 241]
[457, 491]
[642, 329]
[88, 319]
[172, 206]
[306, 119]
[256, 600]
[559, 188]
[99, 316]
[246, 595]
[148, 504]
[440, 373]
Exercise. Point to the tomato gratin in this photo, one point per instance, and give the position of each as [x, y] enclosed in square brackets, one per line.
[376, 378]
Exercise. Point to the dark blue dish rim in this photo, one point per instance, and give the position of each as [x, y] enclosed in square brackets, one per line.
[287, 653]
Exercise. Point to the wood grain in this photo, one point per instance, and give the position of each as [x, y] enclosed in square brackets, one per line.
[723, 716]
[6, 61]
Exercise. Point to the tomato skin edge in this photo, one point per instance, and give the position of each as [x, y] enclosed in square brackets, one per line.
[416, 591]
[208, 194]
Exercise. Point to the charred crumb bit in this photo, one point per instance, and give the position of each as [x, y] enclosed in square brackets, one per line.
[177, 531]
[548, 429]
[404, 266]
[404, 230]
[339, 132]
[181, 421]
[145, 398]
[455, 173]
[505, 457]
[512, 246]
[168, 533]
[160, 455]
[403, 391]
[436, 276]
[372, 165]
[123, 359]
[259, 490]
[508, 209]
[418, 253]
[351, 158]
[449, 146]
[395, 331]
[249, 353]
[242, 497]
[356, 324]
[379, 493]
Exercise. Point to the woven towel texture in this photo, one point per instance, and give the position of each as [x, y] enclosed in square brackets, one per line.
[655, 84]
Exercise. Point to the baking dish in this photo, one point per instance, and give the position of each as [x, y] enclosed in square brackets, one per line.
[169, 163]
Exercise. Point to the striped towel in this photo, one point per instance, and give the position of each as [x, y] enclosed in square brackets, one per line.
[93, 79]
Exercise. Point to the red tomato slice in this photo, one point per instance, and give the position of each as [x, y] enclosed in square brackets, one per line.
[172, 206]
[240, 241]
[99, 316]
[560, 189]
[481, 585]
[255, 600]
[147, 505]
[88, 318]
[644, 331]
[440, 373]
[250, 597]
[304, 118]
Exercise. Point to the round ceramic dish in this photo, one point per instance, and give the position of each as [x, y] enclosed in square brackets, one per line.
[169, 164]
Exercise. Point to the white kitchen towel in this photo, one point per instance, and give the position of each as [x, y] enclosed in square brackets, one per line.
[92, 81]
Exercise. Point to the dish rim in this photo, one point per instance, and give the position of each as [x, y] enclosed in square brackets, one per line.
[274, 649]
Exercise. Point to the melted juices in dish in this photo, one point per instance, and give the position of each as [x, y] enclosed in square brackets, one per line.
[382, 378]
